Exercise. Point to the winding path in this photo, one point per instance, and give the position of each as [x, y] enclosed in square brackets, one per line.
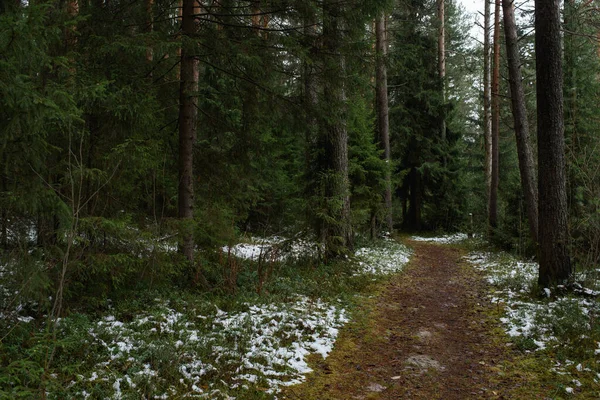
[427, 335]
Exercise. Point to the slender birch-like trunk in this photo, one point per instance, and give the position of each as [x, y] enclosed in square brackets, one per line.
[493, 201]
[383, 122]
[519, 110]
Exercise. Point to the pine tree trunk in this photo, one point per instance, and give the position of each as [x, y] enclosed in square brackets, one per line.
[149, 28]
[554, 259]
[524, 151]
[310, 104]
[493, 204]
[179, 19]
[442, 60]
[487, 114]
[187, 128]
[383, 122]
[338, 231]
[73, 11]
[4, 217]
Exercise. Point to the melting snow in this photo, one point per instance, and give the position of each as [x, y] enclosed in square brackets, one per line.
[391, 257]
[265, 343]
[530, 319]
[214, 352]
[274, 248]
[447, 239]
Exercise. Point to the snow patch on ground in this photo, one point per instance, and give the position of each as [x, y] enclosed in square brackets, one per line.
[388, 258]
[446, 239]
[536, 322]
[266, 343]
[273, 248]
[217, 353]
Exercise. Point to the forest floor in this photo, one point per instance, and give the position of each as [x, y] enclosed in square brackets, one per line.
[430, 333]
[431, 318]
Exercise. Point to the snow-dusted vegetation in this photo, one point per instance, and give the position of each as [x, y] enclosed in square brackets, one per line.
[199, 346]
[563, 326]
[389, 257]
[169, 353]
[274, 248]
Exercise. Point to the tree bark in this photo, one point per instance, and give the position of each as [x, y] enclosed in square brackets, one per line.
[149, 28]
[179, 18]
[311, 99]
[493, 200]
[338, 230]
[187, 128]
[519, 110]
[554, 259]
[4, 217]
[442, 60]
[487, 114]
[383, 122]
[73, 11]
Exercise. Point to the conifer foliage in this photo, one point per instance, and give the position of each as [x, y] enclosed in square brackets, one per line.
[126, 123]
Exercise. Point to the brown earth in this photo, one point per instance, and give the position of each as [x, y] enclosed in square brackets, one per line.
[429, 334]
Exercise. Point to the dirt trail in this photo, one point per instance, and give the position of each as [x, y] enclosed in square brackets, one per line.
[427, 337]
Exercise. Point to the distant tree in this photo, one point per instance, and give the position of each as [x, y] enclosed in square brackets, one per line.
[495, 155]
[554, 258]
[187, 126]
[441, 15]
[383, 122]
[487, 113]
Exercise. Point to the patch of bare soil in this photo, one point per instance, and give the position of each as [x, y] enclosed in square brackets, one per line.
[428, 336]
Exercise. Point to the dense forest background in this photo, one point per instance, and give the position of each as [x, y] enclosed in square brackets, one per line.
[140, 139]
[282, 131]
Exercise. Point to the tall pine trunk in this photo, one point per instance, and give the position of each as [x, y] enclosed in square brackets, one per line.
[519, 110]
[187, 128]
[338, 231]
[555, 262]
[487, 114]
[311, 100]
[442, 60]
[4, 216]
[383, 122]
[493, 200]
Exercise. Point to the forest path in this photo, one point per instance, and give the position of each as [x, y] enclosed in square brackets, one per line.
[427, 335]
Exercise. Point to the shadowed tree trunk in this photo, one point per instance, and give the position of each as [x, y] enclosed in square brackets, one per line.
[414, 208]
[493, 200]
[487, 115]
[4, 217]
[187, 127]
[338, 231]
[555, 262]
[383, 122]
[149, 28]
[524, 151]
